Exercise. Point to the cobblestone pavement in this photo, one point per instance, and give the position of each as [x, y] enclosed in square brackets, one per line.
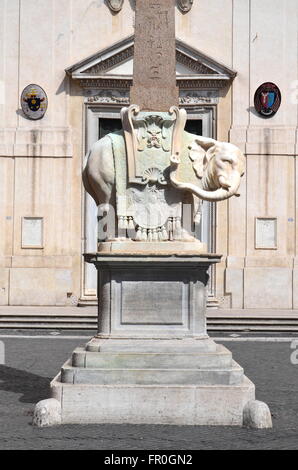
[30, 363]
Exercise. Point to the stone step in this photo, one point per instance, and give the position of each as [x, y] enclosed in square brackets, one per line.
[123, 360]
[192, 345]
[251, 321]
[232, 375]
[245, 327]
[92, 319]
[85, 318]
[50, 326]
[92, 326]
[54, 319]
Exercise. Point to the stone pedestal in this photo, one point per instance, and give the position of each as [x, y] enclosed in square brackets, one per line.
[155, 294]
[152, 361]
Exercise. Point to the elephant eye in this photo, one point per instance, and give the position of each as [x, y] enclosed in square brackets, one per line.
[228, 159]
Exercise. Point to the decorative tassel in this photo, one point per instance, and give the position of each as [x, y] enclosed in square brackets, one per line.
[131, 225]
[164, 233]
[154, 235]
[150, 238]
[139, 235]
[144, 235]
[121, 223]
[125, 222]
[159, 234]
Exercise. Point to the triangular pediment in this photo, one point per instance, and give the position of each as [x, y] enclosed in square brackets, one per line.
[116, 63]
[126, 68]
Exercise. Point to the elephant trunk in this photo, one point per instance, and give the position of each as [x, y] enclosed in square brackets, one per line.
[219, 194]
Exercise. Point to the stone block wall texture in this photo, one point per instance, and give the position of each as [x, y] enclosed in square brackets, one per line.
[40, 162]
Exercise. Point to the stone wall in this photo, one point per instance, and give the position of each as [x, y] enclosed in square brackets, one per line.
[264, 51]
[41, 161]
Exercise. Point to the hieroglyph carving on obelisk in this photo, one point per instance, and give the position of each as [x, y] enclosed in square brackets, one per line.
[154, 73]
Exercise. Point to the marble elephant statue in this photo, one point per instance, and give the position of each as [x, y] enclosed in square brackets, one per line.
[219, 166]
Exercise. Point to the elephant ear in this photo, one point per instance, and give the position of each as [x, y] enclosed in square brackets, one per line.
[205, 142]
[200, 153]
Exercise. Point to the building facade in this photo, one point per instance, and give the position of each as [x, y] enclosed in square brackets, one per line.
[81, 54]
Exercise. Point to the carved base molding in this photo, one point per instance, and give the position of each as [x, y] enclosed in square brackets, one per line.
[264, 140]
[36, 142]
[121, 97]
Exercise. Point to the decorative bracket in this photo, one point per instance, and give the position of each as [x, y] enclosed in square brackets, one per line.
[181, 117]
[185, 5]
[115, 5]
[130, 139]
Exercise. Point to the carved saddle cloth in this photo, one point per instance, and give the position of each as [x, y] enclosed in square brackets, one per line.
[150, 204]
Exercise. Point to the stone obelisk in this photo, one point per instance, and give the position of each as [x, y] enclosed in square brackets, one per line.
[154, 74]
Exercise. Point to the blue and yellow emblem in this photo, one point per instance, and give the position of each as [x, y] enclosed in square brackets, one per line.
[34, 102]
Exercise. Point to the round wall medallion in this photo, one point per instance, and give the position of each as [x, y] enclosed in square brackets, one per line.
[34, 102]
[267, 99]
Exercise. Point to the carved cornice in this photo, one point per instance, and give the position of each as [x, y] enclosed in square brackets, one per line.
[106, 83]
[198, 97]
[184, 84]
[194, 65]
[110, 97]
[202, 83]
[123, 56]
[109, 63]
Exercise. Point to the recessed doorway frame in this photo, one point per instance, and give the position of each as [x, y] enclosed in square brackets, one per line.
[94, 112]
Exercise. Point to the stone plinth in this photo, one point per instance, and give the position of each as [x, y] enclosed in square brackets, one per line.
[152, 361]
[185, 404]
[154, 293]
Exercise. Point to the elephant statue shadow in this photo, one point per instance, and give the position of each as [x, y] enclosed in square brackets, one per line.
[32, 387]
